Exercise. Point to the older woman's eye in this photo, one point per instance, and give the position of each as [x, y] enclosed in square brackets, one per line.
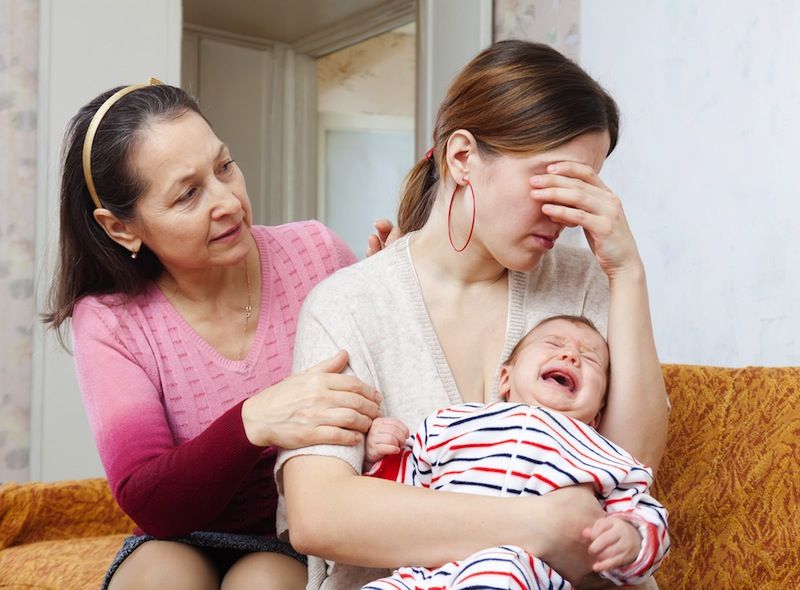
[226, 167]
[187, 194]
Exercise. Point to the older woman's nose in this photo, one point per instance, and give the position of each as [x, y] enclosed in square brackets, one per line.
[224, 200]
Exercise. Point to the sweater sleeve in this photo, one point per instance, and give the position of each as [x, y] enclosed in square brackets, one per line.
[324, 328]
[167, 489]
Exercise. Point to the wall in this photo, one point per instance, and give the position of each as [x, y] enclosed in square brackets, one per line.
[366, 132]
[705, 166]
[129, 41]
[375, 77]
[19, 35]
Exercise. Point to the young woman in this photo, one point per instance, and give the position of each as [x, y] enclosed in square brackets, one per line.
[518, 145]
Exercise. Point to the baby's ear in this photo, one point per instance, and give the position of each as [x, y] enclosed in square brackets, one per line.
[504, 385]
[595, 423]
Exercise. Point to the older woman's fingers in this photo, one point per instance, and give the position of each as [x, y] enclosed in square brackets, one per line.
[346, 418]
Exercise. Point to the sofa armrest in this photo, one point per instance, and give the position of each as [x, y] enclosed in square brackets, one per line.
[39, 511]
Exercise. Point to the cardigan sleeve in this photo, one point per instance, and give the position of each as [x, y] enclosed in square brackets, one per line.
[167, 489]
[324, 328]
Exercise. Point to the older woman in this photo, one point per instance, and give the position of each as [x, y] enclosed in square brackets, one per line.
[183, 318]
[518, 145]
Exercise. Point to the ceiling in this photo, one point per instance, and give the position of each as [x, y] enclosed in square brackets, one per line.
[286, 21]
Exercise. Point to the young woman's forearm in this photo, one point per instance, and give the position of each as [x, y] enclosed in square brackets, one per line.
[370, 522]
[637, 408]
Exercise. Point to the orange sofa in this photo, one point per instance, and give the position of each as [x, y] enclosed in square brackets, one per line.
[730, 478]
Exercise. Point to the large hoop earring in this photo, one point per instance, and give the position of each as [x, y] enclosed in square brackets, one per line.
[450, 212]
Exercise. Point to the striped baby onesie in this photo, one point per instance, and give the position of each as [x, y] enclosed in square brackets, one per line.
[509, 449]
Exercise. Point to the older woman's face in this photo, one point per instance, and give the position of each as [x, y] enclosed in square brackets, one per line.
[195, 212]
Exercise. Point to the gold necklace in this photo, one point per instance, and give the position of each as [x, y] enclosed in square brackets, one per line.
[248, 311]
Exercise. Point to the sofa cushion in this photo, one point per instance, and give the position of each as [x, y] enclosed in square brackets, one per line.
[75, 564]
[730, 478]
[39, 511]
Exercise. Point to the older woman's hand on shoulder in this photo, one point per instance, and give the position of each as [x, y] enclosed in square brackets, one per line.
[318, 406]
[385, 233]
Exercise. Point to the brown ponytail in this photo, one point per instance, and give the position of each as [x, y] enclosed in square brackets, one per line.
[515, 97]
[418, 195]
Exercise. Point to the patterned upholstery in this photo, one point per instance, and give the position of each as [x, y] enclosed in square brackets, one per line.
[729, 478]
[58, 535]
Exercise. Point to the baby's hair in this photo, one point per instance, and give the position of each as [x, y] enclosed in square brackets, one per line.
[576, 319]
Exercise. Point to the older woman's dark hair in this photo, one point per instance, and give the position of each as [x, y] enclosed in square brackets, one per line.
[515, 97]
[89, 262]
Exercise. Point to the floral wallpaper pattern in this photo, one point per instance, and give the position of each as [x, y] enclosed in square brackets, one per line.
[555, 22]
[374, 77]
[19, 28]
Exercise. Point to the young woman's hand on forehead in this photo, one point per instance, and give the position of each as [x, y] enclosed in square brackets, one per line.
[573, 194]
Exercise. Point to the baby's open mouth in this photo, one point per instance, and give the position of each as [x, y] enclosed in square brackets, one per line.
[562, 378]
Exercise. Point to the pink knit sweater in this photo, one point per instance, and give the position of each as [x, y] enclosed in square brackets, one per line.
[165, 407]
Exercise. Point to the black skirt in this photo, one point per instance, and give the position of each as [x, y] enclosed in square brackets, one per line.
[223, 548]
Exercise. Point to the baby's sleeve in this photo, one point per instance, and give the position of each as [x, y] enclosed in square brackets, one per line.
[631, 501]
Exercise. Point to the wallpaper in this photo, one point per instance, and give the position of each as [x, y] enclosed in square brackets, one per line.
[373, 77]
[555, 22]
[19, 27]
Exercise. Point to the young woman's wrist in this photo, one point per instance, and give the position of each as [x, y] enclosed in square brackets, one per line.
[633, 273]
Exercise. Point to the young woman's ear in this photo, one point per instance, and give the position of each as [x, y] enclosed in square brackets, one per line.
[122, 233]
[461, 150]
[504, 385]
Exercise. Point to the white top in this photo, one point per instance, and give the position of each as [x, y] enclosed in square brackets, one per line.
[375, 310]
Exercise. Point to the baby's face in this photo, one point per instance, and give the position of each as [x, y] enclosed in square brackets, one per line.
[562, 365]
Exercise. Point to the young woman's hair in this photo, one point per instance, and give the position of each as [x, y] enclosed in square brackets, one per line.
[515, 97]
[90, 262]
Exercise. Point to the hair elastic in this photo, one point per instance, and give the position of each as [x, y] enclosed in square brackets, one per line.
[94, 124]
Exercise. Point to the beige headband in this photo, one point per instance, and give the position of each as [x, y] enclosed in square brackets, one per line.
[93, 125]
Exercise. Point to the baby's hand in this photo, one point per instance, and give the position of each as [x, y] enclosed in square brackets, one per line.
[385, 437]
[614, 543]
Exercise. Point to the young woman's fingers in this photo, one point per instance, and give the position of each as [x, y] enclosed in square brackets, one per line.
[577, 170]
[597, 225]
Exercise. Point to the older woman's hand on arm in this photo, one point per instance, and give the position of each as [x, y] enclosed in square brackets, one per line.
[637, 408]
[317, 406]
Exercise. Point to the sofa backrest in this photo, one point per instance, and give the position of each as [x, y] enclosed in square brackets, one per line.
[731, 478]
